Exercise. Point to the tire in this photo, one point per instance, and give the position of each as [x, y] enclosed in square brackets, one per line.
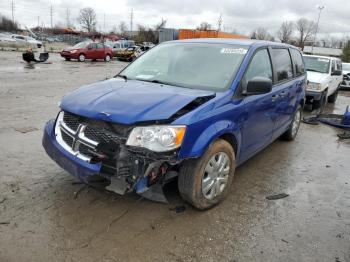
[194, 175]
[67, 59]
[293, 129]
[319, 104]
[81, 58]
[332, 98]
[107, 58]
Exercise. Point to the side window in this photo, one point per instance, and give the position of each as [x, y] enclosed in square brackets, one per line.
[297, 62]
[100, 46]
[339, 65]
[333, 66]
[259, 66]
[283, 64]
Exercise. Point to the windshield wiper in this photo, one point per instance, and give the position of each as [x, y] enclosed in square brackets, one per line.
[123, 76]
[313, 70]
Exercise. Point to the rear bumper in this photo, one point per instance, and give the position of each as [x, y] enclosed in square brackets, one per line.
[72, 164]
[345, 84]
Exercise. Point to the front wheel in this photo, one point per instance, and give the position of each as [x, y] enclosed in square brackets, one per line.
[67, 59]
[293, 129]
[332, 98]
[205, 181]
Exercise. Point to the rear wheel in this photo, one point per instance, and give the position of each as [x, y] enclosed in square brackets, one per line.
[293, 129]
[332, 98]
[81, 58]
[205, 181]
[108, 58]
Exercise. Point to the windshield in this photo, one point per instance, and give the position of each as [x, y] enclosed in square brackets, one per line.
[346, 67]
[81, 45]
[317, 64]
[190, 65]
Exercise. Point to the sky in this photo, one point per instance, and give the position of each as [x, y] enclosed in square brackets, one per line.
[242, 16]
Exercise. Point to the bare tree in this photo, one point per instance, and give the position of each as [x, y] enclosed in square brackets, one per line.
[285, 32]
[204, 26]
[122, 28]
[306, 29]
[261, 33]
[87, 19]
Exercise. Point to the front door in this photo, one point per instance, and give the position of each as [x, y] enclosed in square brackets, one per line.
[259, 109]
[91, 51]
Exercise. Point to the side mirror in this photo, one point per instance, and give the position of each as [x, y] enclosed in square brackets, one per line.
[259, 85]
[337, 73]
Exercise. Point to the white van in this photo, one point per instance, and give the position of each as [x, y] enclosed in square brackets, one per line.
[324, 76]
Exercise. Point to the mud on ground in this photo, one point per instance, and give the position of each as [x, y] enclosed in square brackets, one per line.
[46, 215]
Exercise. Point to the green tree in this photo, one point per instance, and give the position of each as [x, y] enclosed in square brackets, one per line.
[346, 53]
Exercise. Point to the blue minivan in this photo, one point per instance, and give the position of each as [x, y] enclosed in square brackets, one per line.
[193, 109]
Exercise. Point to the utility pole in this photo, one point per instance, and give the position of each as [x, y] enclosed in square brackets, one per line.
[320, 8]
[13, 11]
[131, 20]
[67, 17]
[104, 22]
[38, 21]
[220, 22]
[51, 14]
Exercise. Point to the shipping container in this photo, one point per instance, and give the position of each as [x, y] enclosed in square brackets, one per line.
[189, 34]
[167, 34]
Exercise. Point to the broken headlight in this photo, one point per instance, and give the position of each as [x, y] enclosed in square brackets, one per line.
[157, 138]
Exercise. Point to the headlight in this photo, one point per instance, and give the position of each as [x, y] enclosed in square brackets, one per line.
[74, 51]
[157, 138]
[314, 86]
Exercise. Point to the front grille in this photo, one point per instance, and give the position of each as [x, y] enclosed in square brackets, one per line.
[80, 136]
[72, 121]
[100, 135]
[67, 138]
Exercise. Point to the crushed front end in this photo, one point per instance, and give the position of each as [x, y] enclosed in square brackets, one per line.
[86, 148]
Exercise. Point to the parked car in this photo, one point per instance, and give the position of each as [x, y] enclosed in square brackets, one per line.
[195, 109]
[27, 39]
[129, 54]
[88, 50]
[346, 76]
[324, 75]
[147, 46]
[122, 45]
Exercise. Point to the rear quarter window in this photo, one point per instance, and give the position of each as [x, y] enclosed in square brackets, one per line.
[282, 63]
[298, 63]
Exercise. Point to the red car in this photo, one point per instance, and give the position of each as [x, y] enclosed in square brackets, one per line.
[86, 50]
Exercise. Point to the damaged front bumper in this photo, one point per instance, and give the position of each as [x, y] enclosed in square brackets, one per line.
[126, 169]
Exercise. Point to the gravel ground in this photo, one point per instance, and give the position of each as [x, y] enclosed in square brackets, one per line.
[45, 215]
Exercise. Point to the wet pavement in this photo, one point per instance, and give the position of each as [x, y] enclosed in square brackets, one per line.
[45, 215]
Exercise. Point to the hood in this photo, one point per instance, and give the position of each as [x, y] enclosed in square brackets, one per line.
[316, 77]
[346, 72]
[129, 102]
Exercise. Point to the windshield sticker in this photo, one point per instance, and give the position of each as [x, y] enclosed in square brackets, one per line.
[322, 60]
[240, 51]
[144, 76]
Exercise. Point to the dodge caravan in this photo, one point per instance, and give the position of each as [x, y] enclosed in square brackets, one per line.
[193, 109]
